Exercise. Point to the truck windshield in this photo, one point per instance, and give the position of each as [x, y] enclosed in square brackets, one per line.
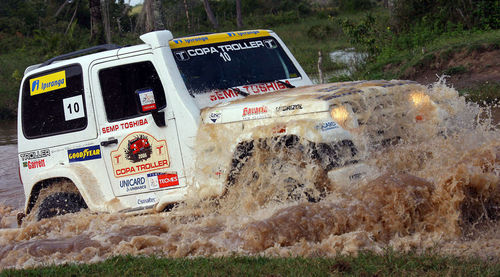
[230, 64]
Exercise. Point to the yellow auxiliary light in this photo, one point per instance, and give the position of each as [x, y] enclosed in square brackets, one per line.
[340, 114]
[343, 115]
[422, 103]
[419, 98]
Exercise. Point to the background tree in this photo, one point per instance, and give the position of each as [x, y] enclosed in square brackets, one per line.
[186, 9]
[239, 21]
[105, 20]
[210, 14]
[96, 27]
[150, 18]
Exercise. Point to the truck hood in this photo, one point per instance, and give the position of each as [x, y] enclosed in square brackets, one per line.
[300, 100]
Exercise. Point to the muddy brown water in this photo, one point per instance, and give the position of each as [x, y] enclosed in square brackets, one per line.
[440, 193]
[11, 190]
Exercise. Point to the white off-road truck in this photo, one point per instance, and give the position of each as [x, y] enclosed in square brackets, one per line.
[141, 127]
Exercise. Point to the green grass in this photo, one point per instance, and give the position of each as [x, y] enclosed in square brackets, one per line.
[395, 63]
[365, 264]
[308, 36]
[486, 93]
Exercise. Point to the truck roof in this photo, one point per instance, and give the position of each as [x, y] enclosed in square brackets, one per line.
[181, 42]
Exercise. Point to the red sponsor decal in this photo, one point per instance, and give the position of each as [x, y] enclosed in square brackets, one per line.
[224, 94]
[254, 111]
[36, 164]
[279, 129]
[125, 125]
[168, 180]
[250, 89]
[141, 168]
[149, 107]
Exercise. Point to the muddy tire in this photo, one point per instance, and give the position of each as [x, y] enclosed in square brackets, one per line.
[60, 203]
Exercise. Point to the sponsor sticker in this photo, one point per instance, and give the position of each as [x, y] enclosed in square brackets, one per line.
[48, 83]
[139, 152]
[147, 100]
[73, 108]
[124, 126]
[289, 108]
[133, 184]
[270, 43]
[215, 116]
[84, 154]
[216, 38]
[32, 155]
[162, 180]
[279, 129]
[254, 112]
[181, 55]
[250, 89]
[147, 199]
[34, 164]
[325, 126]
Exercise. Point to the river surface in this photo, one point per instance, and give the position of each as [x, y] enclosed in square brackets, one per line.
[437, 193]
[11, 190]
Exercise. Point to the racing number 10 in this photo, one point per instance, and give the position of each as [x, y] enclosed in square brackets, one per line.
[73, 107]
[76, 107]
[225, 56]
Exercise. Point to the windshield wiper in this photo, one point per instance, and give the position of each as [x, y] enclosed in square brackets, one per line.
[278, 81]
[285, 84]
[240, 92]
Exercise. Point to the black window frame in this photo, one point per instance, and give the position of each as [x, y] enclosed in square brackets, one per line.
[25, 94]
[161, 102]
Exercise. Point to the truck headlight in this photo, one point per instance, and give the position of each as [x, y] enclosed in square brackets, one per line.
[423, 105]
[419, 98]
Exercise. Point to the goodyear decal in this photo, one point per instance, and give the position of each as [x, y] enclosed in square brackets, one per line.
[84, 154]
[47, 83]
[216, 38]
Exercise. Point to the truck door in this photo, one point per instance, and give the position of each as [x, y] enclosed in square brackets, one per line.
[142, 155]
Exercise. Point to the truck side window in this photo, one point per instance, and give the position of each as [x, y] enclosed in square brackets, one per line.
[53, 103]
[119, 84]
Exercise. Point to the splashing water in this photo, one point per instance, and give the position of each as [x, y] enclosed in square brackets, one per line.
[430, 191]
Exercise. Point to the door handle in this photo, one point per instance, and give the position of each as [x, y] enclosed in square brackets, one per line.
[109, 142]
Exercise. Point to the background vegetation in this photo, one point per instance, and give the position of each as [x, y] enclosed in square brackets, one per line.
[401, 37]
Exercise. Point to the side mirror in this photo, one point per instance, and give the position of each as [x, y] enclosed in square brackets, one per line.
[159, 118]
[146, 103]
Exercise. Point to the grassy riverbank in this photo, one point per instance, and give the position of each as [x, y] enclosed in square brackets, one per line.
[365, 264]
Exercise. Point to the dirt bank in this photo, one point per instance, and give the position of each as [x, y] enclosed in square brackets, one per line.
[467, 68]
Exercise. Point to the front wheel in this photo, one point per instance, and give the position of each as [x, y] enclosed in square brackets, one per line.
[60, 203]
[275, 170]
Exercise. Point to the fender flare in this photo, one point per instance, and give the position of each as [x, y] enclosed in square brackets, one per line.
[78, 174]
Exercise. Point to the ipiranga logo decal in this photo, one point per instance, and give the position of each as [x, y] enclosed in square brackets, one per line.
[47, 83]
[84, 154]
